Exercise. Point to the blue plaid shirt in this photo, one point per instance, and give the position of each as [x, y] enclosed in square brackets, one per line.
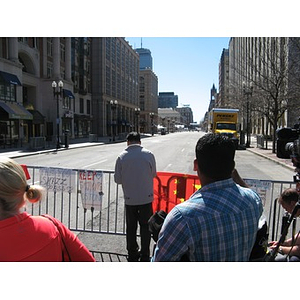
[218, 223]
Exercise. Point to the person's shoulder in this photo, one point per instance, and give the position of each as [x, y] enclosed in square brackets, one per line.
[251, 195]
[123, 152]
[145, 150]
[190, 205]
[247, 190]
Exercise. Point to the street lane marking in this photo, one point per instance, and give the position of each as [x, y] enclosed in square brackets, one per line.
[168, 166]
[98, 162]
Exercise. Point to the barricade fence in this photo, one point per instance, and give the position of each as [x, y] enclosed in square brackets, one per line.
[90, 201]
[84, 200]
[269, 191]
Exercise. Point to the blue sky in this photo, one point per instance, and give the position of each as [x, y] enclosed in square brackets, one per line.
[187, 61]
[187, 66]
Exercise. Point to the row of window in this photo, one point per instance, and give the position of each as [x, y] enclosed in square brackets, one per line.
[8, 91]
[81, 106]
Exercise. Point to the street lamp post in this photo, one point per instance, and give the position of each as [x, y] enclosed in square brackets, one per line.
[248, 93]
[113, 105]
[137, 113]
[152, 125]
[57, 94]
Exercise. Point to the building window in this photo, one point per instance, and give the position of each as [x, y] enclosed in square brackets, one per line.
[35, 43]
[88, 107]
[49, 69]
[88, 85]
[67, 103]
[81, 106]
[49, 46]
[7, 91]
[62, 52]
[23, 40]
[63, 72]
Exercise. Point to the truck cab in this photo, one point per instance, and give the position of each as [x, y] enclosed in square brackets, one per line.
[225, 121]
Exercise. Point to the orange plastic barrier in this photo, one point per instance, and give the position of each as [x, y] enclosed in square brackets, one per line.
[171, 189]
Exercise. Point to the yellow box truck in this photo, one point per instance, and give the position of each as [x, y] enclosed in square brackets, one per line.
[224, 121]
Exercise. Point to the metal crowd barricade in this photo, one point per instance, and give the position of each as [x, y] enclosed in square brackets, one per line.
[64, 200]
[270, 190]
[66, 203]
[277, 215]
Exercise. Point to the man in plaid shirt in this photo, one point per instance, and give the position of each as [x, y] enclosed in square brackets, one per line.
[220, 221]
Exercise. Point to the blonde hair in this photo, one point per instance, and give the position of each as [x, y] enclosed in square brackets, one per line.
[14, 189]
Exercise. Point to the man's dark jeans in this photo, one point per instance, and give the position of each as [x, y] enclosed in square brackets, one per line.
[138, 214]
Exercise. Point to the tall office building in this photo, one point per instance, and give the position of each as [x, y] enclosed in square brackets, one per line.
[148, 94]
[263, 72]
[167, 100]
[148, 91]
[145, 58]
[115, 76]
[223, 97]
[29, 111]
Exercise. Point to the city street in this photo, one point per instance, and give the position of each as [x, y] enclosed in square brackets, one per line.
[174, 153]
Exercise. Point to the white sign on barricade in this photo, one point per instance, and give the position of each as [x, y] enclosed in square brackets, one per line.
[91, 186]
[58, 180]
[261, 187]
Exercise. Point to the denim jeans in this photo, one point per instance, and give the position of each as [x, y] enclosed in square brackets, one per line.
[138, 214]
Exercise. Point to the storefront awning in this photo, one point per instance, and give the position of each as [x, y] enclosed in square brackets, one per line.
[15, 111]
[10, 78]
[82, 117]
[38, 118]
[68, 93]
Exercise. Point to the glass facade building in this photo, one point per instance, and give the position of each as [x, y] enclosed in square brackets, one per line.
[145, 58]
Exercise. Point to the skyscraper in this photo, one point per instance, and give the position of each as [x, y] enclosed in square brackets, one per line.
[145, 58]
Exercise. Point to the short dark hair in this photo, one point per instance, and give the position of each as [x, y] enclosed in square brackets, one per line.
[289, 195]
[133, 137]
[215, 156]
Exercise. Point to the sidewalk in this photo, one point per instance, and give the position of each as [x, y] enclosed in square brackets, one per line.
[267, 153]
[75, 143]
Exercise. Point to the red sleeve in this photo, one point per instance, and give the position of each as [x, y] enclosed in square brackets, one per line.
[76, 249]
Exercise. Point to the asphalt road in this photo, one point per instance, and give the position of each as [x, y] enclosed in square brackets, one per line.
[174, 153]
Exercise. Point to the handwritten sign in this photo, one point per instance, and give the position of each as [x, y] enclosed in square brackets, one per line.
[91, 186]
[261, 187]
[57, 180]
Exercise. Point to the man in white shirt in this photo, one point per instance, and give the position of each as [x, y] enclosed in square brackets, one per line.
[135, 169]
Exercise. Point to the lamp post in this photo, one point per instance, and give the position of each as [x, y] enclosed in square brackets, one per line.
[152, 125]
[248, 93]
[57, 94]
[137, 113]
[113, 106]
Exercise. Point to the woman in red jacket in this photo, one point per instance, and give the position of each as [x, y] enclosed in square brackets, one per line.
[31, 238]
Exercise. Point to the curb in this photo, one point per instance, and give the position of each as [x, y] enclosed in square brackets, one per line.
[16, 154]
[272, 159]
